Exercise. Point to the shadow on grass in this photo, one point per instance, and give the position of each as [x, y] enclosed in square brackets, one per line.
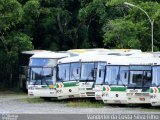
[76, 102]
[12, 92]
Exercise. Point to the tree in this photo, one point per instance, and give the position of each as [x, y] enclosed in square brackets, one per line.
[134, 21]
[93, 16]
[12, 41]
[119, 34]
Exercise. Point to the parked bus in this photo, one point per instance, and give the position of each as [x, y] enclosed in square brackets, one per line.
[24, 57]
[155, 86]
[115, 80]
[141, 77]
[42, 74]
[76, 75]
[68, 75]
[89, 65]
[101, 70]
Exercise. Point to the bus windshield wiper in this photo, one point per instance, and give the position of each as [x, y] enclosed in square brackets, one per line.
[74, 77]
[87, 79]
[119, 78]
[112, 82]
[42, 77]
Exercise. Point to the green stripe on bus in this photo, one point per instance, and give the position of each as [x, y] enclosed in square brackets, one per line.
[121, 89]
[104, 88]
[70, 84]
[151, 90]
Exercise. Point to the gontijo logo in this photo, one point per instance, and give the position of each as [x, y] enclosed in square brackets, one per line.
[155, 90]
[108, 88]
[60, 85]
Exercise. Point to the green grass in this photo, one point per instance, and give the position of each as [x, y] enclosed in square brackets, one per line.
[70, 102]
[144, 107]
[85, 103]
[32, 100]
[9, 92]
[150, 108]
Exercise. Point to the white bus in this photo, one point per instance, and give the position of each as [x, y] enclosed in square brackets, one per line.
[116, 80]
[89, 65]
[68, 75]
[155, 86]
[141, 76]
[76, 75]
[86, 65]
[24, 57]
[101, 70]
[121, 83]
[42, 74]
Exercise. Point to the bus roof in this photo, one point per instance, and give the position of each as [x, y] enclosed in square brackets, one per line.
[51, 55]
[32, 52]
[105, 51]
[87, 58]
[124, 60]
[140, 59]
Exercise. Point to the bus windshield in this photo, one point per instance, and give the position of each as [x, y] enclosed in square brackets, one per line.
[100, 73]
[87, 71]
[140, 76]
[43, 62]
[75, 71]
[63, 72]
[41, 76]
[117, 75]
[156, 76]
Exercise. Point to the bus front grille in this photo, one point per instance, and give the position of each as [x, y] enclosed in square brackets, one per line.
[90, 93]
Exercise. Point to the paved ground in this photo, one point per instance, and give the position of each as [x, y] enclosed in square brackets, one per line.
[11, 104]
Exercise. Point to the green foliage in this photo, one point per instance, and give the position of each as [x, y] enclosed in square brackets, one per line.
[12, 41]
[119, 34]
[129, 26]
[16, 42]
[85, 103]
[10, 14]
[67, 24]
[32, 100]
